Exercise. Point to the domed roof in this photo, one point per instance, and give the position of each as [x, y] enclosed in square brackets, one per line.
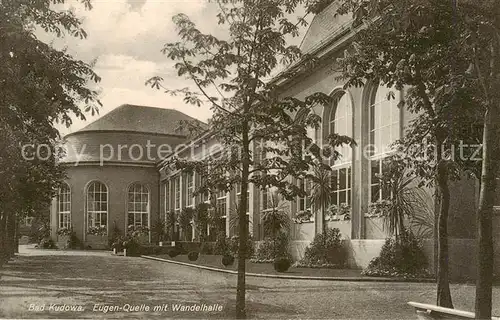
[134, 118]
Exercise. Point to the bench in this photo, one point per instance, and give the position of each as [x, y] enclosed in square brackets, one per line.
[430, 312]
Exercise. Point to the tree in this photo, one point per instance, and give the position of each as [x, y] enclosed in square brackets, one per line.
[413, 46]
[275, 221]
[247, 111]
[40, 86]
[322, 191]
[185, 220]
[407, 200]
[202, 219]
[481, 43]
[170, 221]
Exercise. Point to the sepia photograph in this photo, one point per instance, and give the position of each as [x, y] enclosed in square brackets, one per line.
[250, 159]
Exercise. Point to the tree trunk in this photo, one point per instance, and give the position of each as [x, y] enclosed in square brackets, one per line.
[435, 233]
[491, 149]
[16, 235]
[11, 236]
[443, 285]
[323, 216]
[3, 245]
[243, 228]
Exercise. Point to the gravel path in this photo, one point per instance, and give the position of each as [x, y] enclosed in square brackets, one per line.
[94, 282]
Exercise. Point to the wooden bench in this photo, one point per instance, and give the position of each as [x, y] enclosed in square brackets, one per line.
[430, 312]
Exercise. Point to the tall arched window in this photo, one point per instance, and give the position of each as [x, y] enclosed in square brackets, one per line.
[340, 122]
[64, 206]
[304, 203]
[97, 205]
[138, 205]
[384, 130]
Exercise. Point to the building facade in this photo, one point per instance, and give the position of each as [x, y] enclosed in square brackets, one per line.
[112, 180]
[130, 190]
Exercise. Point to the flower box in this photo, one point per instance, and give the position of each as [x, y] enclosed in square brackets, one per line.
[304, 216]
[339, 212]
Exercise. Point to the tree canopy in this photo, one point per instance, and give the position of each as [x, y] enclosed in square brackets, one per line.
[265, 143]
[40, 86]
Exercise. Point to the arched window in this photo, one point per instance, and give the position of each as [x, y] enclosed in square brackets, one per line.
[384, 120]
[340, 122]
[64, 206]
[138, 205]
[339, 119]
[384, 130]
[97, 205]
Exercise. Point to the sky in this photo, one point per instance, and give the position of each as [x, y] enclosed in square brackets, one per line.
[125, 38]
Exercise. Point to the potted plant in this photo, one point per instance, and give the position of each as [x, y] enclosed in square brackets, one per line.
[97, 231]
[339, 212]
[303, 216]
[141, 233]
[282, 264]
[64, 237]
[379, 208]
[227, 260]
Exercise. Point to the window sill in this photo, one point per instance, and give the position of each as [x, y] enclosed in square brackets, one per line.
[373, 216]
[303, 222]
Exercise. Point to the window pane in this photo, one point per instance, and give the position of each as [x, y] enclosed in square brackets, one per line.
[375, 171]
[394, 132]
[103, 219]
[374, 193]
[334, 179]
[349, 172]
[342, 197]
[342, 178]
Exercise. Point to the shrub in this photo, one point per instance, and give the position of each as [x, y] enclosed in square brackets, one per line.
[207, 248]
[64, 231]
[399, 258]
[117, 244]
[234, 245]
[193, 256]
[282, 264]
[40, 230]
[47, 244]
[115, 236]
[270, 248]
[221, 245]
[132, 245]
[326, 249]
[73, 241]
[172, 253]
[185, 247]
[227, 260]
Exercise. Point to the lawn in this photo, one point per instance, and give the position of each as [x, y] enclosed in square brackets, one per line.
[214, 261]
